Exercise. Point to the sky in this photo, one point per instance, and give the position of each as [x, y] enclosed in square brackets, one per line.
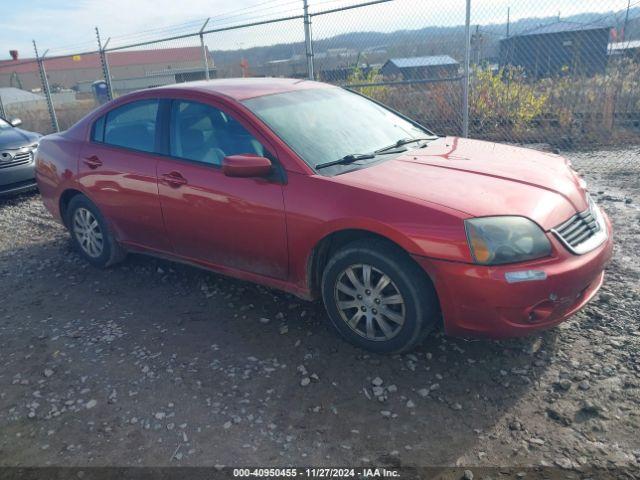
[65, 27]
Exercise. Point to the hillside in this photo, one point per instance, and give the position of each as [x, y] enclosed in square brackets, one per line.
[374, 47]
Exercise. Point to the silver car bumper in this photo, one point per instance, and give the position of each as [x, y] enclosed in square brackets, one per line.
[17, 178]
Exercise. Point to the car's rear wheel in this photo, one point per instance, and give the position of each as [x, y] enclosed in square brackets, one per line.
[90, 233]
[378, 298]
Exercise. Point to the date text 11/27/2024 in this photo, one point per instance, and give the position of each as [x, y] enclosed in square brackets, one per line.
[316, 472]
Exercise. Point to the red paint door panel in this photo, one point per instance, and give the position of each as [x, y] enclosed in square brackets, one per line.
[232, 222]
[123, 183]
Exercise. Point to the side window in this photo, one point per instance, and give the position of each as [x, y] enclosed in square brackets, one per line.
[132, 125]
[205, 134]
[97, 134]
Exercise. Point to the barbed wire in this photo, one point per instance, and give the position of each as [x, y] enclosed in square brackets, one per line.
[220, 20]
[214, 19]
[226, 19]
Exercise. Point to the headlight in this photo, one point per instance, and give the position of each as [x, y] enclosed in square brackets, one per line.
[581, 181]
[498, 240]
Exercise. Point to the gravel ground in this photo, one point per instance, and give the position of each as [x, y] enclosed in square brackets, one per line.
[154, 363]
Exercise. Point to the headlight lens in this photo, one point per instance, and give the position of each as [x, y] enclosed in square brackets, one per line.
[33, 148]
[499, 240]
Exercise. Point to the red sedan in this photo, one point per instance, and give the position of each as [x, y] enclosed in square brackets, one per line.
[321, 192]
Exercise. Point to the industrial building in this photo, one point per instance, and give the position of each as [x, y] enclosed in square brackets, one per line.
[412, 68]
[130, 70]
[627, 49]
[556, 48]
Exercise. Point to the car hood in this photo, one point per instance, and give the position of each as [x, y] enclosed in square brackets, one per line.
[11, 138]
[480, 179]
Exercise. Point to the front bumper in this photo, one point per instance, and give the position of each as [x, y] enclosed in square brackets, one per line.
[477, 300]
[16, 179]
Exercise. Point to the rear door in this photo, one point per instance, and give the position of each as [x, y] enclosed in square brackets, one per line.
[237, 223]
[117, 169]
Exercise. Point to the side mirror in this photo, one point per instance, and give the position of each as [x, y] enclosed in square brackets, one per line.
[246, 165]
[16, 122]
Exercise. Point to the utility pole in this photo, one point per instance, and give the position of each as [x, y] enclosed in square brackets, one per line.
[205, 57]
[106, 73]
[467, 59]
[45, 86]
[308, 41]
[626, 21]
[476, 45]
[508, 20]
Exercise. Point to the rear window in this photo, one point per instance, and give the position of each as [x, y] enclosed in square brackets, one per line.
[130, 126]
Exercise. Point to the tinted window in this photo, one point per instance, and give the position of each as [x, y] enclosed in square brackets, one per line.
[97, 134]
[133, 125]
[205, 134]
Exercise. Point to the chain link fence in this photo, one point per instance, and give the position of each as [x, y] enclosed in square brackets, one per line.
[24, 99]
[415, 70]
[509, 70]
[161, 63]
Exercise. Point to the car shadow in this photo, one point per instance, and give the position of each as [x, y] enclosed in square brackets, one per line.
[17, 199]
[261, 353]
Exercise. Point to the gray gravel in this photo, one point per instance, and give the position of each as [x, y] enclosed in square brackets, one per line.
[155, 363]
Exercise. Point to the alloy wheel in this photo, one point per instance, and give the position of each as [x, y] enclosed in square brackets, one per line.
[369, 302]
[88, 232]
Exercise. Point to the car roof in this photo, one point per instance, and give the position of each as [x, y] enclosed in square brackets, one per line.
[244, 88]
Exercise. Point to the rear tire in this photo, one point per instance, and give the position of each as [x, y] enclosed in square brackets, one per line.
[378, 298]
[90, 233]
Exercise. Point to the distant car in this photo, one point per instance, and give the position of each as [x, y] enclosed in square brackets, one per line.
[321, 192]
[17, 166]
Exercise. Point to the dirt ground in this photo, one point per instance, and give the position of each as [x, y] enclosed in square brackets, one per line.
[154, 363]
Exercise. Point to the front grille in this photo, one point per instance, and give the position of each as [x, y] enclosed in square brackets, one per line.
[20, 158]
[578, 229]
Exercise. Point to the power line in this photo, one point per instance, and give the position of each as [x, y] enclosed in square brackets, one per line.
[87, 47]
[215, 18]
[275, 16]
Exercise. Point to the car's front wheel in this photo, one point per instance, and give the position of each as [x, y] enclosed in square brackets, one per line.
[90, 233]
[378, 298]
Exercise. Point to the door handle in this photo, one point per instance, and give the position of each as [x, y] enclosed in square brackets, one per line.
[92, 162]
[174, 179]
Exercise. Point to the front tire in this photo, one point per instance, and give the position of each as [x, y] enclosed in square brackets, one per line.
[90, 233]
[378, 298]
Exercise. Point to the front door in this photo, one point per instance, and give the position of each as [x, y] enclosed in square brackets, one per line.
[237, 223]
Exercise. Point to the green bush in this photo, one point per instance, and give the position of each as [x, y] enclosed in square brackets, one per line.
[503, 100]
[358, 76]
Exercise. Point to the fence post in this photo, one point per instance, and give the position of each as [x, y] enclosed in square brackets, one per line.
[308, 40]
[45, 87]
[106, 73]
[205, 57]
[467, 59]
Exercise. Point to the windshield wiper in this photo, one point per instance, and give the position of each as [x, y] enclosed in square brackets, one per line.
[354, 157]
[402, 142]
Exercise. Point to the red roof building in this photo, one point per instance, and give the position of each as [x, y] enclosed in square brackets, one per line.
[70, 71]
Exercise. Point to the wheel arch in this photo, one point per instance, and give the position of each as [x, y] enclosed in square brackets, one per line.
[332, 241]
[63, 203]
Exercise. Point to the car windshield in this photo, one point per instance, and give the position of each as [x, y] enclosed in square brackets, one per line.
[327, 124]
[4, 124]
